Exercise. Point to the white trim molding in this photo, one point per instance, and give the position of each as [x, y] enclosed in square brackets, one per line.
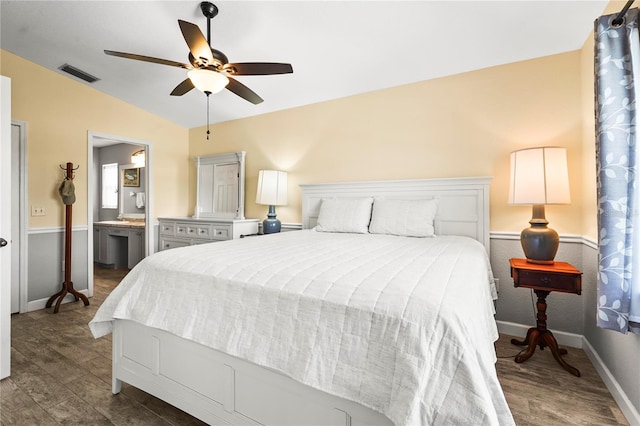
[55, 229]
[565, 339]
[285, 227]
[36, 305]
[24, 195]
[618, 394]
[566, 238]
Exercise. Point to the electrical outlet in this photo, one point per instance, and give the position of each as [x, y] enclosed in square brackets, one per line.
[37, 211]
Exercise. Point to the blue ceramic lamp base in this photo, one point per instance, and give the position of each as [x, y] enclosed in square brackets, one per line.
[271, 225]
[539, 242]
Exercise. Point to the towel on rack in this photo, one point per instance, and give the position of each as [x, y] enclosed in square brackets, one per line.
[140, 200]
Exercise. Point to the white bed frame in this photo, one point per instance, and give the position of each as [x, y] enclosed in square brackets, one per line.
[222, 389]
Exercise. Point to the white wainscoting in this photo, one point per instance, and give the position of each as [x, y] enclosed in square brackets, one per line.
[520, 330]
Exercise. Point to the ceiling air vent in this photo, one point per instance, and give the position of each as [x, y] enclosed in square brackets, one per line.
[78, 73]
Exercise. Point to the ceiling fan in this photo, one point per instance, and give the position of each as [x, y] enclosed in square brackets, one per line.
[209, 68]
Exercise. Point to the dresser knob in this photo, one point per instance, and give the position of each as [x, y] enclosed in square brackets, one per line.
[545, 280]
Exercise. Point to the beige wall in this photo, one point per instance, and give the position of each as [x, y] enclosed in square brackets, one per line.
[463, 125]
[59, 112]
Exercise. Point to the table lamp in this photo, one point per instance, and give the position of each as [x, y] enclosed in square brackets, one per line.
[539, 176]
[272, 191]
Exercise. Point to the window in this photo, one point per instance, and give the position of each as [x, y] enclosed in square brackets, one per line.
[110, 186]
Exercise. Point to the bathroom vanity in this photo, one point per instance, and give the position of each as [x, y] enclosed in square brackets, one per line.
[119, 243]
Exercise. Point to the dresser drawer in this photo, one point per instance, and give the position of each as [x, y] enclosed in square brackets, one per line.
[124, 232]
[168, 228]
[182, 230]
[169, 243]
[190, 230]
[200, 231]
[541, 280]
[220, 232]
[203, 232]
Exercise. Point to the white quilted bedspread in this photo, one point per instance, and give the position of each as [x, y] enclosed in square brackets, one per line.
[402, 325]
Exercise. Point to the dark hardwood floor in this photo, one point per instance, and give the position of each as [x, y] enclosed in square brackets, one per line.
[61, 375]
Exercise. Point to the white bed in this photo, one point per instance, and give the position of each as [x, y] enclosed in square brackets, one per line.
[311, 327]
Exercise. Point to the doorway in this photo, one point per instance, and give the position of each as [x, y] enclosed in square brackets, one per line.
[100, 140]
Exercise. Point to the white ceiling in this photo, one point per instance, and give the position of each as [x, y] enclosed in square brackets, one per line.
[337, 48]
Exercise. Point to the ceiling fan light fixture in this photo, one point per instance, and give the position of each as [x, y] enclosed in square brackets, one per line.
[208, 81]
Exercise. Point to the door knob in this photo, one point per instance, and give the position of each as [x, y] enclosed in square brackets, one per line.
[3, 242]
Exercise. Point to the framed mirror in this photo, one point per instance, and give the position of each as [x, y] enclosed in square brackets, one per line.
[220, 186]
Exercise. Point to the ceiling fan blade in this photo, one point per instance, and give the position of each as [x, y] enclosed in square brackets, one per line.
[243, 91]
[147, 59]
[258, 68]
[198, 45]
[182, 88]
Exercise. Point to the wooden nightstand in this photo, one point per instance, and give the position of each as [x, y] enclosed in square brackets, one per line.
[543, 279]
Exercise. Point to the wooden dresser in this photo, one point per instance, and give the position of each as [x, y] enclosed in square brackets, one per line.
[187, 231]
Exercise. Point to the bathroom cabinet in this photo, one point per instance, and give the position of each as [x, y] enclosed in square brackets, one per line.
[118, 244]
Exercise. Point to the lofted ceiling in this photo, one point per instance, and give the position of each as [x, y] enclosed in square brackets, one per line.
[337, 48]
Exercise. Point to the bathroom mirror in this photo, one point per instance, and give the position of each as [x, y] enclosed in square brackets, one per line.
[220, 186]
[132, 202]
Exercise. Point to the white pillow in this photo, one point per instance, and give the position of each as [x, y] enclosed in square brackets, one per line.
[408, 218]
[345, 215]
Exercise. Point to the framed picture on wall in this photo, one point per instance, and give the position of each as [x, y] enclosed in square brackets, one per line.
[131, 177]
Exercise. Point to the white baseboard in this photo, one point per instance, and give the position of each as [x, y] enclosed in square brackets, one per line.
[629, 411]
[580, 342]
[565, 339]
[36, 305]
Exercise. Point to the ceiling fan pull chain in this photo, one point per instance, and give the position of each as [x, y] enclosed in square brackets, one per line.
[208, 132]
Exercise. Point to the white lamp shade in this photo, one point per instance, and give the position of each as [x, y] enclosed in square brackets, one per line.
[208, 80]
[272, 188]
[539, 176]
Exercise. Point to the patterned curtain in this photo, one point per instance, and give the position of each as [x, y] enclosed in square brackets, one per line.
[617, 66]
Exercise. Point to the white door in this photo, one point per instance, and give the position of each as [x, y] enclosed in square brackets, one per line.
[5, 227]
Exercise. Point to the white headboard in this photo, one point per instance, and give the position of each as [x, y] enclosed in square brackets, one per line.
[463, 207]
